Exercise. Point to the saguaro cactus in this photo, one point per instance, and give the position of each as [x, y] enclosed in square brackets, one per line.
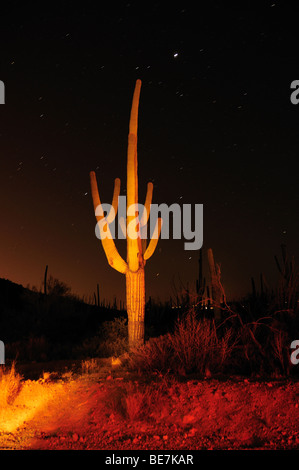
[218, 294]
[137, 252]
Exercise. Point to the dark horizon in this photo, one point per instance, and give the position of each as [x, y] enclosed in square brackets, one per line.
[216, 126]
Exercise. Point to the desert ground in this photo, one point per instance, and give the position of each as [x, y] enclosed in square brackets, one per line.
[99, 405]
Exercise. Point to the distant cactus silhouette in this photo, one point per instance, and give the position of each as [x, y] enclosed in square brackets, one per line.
[200, 282]
[217, 291]
[288, 288]
[137, 252]
[45, 280]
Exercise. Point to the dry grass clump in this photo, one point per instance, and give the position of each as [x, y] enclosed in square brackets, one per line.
[10, 385]
[134, 401]
[89, 366]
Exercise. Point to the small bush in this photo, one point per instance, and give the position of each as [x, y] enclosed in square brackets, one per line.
[154, 356]
[195, 344]
[264, 349]
[111, 340]
[194, 347]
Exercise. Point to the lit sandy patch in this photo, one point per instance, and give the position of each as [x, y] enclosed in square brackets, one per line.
[33, 397]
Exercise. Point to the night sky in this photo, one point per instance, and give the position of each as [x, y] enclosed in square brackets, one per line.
[216, 126]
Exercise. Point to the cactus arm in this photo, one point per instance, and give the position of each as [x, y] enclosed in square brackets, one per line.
[134, 110]
[113, 257]
[122, 226]
[145, 215]
[112, 214]
[147, 205]
[143, 245]
[154, 240]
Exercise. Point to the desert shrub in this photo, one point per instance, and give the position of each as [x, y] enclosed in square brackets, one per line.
[57, 288]
[281, 351]
[114, 338]
[199, 347]
[10, 385]
[195, 346]
[111, 340]
[264, 349]
[156, 355]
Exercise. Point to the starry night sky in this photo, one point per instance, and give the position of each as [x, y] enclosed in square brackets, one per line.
[216, 126]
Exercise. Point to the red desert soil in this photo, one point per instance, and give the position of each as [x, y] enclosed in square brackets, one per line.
[112, 410]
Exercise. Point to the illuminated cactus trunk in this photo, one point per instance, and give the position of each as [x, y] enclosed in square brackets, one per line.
[135, 290]
[137, 252]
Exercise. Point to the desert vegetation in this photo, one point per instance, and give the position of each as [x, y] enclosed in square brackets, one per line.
[175, 391]
[251, 336]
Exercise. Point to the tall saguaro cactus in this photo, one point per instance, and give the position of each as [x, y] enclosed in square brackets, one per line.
[137, 252]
